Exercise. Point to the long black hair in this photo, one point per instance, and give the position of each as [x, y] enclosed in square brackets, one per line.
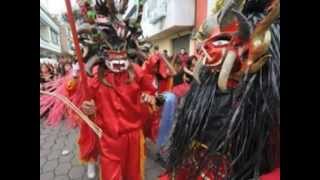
[241, 125]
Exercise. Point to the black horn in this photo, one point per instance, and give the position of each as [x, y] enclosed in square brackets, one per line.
[90, 64]
[244, 26]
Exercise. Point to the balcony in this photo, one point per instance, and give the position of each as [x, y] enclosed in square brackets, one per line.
[49, 33]
[50, 46]
[164, 17]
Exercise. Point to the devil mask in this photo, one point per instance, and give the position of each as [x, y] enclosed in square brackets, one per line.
[110, 38]
[231, 47]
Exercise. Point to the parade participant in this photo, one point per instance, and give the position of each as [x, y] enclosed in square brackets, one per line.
[162, 72]
[228, 127]
[158, 66]
[119, 93]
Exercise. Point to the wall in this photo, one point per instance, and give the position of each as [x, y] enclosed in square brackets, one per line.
[166, 43]
[176, 14]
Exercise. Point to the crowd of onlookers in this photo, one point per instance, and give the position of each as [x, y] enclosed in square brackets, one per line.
[50, 72]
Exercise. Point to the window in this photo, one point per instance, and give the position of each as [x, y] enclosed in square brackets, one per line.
[44, 31]
[156, 10]
[54, 37]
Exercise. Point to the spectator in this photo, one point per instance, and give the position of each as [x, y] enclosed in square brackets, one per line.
[46, 73]
[177, 79]
[190, 66]
[183, 57]
[166, 55]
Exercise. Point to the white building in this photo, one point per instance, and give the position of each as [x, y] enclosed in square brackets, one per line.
[169, 23]
[49, 34]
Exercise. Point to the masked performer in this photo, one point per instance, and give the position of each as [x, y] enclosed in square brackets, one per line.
[162, 72]
[229, 125]
[119, 91]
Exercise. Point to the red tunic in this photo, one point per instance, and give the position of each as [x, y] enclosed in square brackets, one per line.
[119, 109]
[153, 66]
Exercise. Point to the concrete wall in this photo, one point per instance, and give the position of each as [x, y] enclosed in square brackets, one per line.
[178, 13]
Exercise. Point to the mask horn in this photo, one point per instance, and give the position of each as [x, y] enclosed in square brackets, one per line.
[101, 77]
[226, 70]
[261, 37]
[244, 26]
[90, 64]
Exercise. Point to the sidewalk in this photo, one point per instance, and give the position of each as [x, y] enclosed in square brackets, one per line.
[55, 166]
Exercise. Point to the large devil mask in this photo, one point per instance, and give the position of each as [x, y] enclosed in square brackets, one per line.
[230, 46]
[110, 39]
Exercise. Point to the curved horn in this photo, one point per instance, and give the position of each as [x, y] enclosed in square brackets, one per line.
[90, 64]
[85, 51]
[131, 74]
[85, 28]
[225, 15]
[101, 77]
[226, 70]
[244, 26]
[264, 25]
[255, 67]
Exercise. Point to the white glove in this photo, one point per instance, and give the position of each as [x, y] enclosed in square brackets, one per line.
[75, 69]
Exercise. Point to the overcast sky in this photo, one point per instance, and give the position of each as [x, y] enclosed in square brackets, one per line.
[57, 6]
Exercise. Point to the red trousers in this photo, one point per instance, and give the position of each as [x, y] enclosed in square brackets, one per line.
[120, 159]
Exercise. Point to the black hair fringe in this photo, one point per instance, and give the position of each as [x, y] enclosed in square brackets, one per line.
[241, 125]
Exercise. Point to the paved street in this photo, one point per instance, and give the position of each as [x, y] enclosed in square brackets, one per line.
[55, 166]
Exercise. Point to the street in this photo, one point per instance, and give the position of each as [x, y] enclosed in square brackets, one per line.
[56, 166]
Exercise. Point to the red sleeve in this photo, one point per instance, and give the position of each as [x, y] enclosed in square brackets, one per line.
[74, 87]
[146, 80]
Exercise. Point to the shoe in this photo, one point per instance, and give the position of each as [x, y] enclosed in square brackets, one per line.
[91, 173]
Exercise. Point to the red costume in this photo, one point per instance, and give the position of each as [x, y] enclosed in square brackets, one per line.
[156, 68]
[120, 115]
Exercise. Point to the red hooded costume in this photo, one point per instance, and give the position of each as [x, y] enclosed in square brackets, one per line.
[121, 115]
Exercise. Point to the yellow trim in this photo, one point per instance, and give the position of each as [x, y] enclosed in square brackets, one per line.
[142, 154]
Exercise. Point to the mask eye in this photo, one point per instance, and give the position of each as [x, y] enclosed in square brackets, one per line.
[220, 42]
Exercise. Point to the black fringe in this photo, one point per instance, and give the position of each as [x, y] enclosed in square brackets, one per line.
[237, 124]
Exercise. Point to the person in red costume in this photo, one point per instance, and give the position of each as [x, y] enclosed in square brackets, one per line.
[161, 71]
[159, 66]
[119, 110]
[120, 93]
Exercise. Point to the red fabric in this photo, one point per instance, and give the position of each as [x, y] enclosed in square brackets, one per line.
[165, 85]
[155, 64]
[181, 89]
[119, 110]
[120, 157]
[274, 175]
[182, 175]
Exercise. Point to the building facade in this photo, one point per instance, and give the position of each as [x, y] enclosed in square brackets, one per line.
[65, 37]
[170, 23]
[50, 45]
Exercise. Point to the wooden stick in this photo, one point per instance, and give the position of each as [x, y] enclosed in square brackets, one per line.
[84, 117]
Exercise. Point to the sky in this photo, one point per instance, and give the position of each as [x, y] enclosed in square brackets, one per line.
[57, 6]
